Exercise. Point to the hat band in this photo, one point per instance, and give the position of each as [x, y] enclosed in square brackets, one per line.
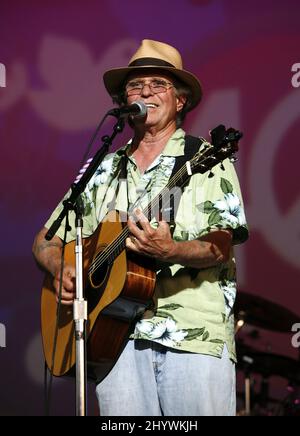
[150, 62]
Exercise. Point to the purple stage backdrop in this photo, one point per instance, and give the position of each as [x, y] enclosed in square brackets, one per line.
[52, 58]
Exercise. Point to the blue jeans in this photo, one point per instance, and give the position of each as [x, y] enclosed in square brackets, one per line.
[152, 380]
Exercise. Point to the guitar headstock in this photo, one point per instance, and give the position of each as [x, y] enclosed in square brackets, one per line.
[224, 144]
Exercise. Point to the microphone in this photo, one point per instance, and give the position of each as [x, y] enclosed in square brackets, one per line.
[137, 109]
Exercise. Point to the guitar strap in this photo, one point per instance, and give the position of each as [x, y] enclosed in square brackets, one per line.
[191, 147]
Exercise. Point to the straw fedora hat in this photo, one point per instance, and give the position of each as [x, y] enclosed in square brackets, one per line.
[154, 55]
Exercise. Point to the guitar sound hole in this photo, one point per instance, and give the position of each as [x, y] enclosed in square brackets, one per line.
[99, 275]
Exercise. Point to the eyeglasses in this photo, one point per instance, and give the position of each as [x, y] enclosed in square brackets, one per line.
[156, 86]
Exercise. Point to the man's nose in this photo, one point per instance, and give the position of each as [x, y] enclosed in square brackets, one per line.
[146, 90]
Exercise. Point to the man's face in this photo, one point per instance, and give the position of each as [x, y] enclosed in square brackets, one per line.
[162, 106]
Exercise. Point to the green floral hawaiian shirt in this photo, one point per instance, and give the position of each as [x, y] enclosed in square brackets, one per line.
[193, 308]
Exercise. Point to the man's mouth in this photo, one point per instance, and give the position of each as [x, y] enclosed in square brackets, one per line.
[151, 105]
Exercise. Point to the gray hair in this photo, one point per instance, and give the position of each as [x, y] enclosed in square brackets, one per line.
[182, 90]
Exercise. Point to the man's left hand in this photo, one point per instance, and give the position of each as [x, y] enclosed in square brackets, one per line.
[148, 241]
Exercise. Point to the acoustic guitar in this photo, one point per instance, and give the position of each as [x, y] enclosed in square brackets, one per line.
[118, 285]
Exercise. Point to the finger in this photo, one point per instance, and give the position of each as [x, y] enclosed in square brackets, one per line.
[68, 284]
[140, 216]
[134, 228]
[65, 302]
[65, 294]
[143, 221]
[68, 277]
[164, 226]
[131, 245]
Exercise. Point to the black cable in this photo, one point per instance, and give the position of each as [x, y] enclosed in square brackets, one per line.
[89, 146]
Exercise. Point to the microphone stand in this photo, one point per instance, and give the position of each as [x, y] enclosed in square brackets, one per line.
[80, 318]
[80, 304]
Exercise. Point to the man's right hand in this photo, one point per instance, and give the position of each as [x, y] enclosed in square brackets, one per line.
[68, 285]
[48, 256]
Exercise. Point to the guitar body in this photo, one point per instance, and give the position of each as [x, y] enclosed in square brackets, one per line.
[116, 295]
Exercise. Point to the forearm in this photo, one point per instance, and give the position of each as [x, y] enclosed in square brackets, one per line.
[209, 250]
[47, 253]
[197, 254]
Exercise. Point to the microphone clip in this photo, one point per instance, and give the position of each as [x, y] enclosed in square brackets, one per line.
[115, 112]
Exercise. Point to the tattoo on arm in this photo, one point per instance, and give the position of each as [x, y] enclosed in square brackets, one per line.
[47, 244]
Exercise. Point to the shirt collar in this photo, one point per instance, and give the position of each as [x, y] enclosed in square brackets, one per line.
[174, 146]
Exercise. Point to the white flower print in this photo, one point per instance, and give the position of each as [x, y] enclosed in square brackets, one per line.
[229, 289]
[144, 327]
[231, 210]
[103, 173]
[165, 332]
[168, 162]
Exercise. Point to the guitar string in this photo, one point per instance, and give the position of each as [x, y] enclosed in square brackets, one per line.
[103, 256]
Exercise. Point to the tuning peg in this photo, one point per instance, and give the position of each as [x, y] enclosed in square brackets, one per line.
[233, 159]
